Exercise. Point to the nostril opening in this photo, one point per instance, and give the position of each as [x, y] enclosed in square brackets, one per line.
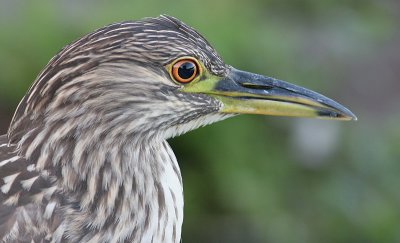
[256, 86]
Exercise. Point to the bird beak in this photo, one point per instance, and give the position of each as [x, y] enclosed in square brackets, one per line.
[248, 93]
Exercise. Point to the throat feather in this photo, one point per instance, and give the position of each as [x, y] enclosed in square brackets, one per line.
[139, 199]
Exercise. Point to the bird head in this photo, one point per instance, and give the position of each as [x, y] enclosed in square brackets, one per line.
[156, 77]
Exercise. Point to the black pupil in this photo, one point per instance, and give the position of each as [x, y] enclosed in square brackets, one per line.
[186, 70]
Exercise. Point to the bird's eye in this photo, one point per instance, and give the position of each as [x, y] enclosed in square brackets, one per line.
[185, 70]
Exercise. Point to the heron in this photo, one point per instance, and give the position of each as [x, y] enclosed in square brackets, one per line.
[85, 158]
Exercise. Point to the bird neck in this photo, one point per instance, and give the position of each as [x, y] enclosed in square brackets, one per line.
[130, 193]
[151, 193]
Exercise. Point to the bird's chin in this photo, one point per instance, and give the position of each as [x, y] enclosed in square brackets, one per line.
[202, 121]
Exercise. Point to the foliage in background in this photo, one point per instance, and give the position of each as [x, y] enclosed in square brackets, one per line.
[261, 179]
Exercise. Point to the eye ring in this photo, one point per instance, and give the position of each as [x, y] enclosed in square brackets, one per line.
[185, 70]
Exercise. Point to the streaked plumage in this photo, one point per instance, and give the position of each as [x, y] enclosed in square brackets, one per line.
[86, 158]
[85, 155]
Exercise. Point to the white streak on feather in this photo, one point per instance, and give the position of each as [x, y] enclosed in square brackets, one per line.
[31, 167]
[35, 143]
[4, 162]
[48, 192]
[58, 233]
[12, 200]
[38, 197]
[27, 184]
[12, 233]
[8, 181]
[48, 212]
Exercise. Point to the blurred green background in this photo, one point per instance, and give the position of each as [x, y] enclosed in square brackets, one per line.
[251, 178]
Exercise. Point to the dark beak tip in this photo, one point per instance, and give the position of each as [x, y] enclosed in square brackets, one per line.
[353, 117]
[348, 115]
[337, 115]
